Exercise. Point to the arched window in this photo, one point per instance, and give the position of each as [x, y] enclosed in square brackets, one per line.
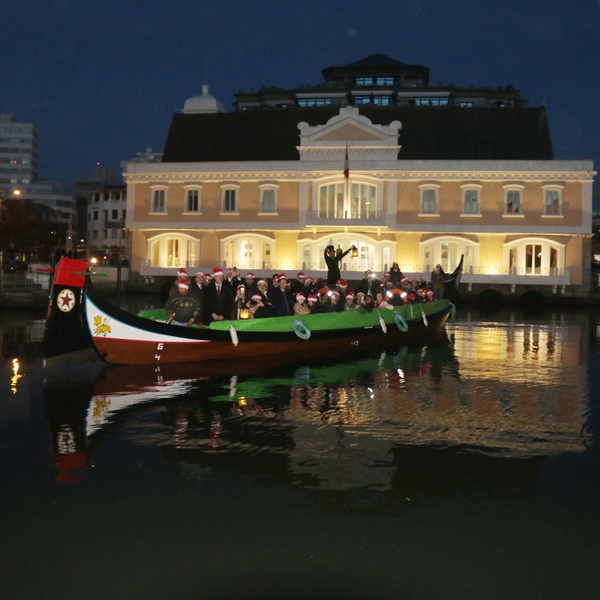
[248, 251]
[173, 250]
[447, 251]
[533, 256]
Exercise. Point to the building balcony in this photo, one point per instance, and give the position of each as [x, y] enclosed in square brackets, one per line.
[345, 219]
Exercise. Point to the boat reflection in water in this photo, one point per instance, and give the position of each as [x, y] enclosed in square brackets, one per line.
[405, 420]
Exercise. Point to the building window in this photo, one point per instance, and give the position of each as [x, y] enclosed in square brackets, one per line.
[429, 200]
[363, 201]
[173, 251]
[384, 81]
[534, 257]
[447, 252]
[192, 200]
[361, 100]
[230, 200]
[382, 100]
[159, 200]
[115, 214]
[310, 102]
[363, 81]
[268, 199]
[331, 201]
[552, 201]
[470, 203]
[431, 101]
[513, 201]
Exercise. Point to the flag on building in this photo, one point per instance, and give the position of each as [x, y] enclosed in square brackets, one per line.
[346, 166]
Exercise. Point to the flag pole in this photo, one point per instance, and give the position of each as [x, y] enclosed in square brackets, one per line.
[346, 177]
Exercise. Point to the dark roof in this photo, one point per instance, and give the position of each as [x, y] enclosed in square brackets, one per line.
[377, 60]
[428, 133]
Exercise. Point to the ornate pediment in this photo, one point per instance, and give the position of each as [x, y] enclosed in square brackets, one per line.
[349, 129]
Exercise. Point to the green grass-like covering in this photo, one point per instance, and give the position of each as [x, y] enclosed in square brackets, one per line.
[318, 322]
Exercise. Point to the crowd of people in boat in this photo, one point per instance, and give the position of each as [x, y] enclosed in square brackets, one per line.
[223, 295]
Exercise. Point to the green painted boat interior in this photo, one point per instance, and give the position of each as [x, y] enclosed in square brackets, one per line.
[320, 322]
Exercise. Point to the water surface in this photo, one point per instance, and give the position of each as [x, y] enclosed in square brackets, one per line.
[465, 469]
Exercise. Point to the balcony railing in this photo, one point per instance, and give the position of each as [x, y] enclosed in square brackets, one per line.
[353, 268]
[347, 219]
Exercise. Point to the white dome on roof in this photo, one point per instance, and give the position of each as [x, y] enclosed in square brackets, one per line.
[202, 104]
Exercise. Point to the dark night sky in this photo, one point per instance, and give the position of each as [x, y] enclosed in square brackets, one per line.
[101, 80]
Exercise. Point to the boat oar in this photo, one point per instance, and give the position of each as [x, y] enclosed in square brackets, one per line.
[382, 323]
[424, 317]
[233, 334]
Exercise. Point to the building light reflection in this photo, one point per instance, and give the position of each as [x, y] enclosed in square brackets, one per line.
[15, 376]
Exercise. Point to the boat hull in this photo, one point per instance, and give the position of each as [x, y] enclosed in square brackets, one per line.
[92, 329]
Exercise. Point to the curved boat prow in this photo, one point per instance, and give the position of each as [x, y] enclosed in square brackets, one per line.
[66, 335]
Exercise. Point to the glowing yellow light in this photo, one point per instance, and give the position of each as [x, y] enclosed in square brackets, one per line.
[16, 376]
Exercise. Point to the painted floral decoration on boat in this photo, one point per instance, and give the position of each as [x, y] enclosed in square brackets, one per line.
[101, 326]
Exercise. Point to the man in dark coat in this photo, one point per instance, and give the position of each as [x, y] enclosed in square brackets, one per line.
[333, 260]
[218, 298]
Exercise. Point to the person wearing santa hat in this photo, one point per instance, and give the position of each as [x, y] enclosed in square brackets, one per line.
[218, 299]
[300, 306]
[183, 308]
[368, 285]
[349, 303]
[282, 297]
[181, 274]
[313, 304]
[297, 285]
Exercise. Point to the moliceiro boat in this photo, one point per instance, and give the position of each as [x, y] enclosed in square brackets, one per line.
[82, 327]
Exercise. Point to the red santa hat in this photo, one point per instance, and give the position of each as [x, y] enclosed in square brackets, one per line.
[334, 293]
[256, 297]
[217, 271]
[404, 279]
[300, 296]
[184, 283]
[249, 275]
[308, 280]
[313, 298]
[342, 283]
[282, 277]
[301, 276]
[182, 273]
[350, 294]
[324, 291]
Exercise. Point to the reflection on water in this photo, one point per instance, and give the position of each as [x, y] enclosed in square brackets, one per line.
[462, 470]
[509, 390]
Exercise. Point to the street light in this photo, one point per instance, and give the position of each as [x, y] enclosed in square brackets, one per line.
[15, 192]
